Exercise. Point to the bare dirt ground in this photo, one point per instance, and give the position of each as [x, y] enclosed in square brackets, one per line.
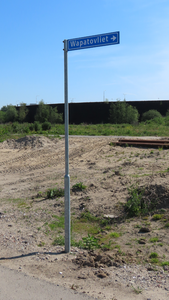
[31, 165]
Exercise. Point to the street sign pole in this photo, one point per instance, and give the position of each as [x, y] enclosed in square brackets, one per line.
[66, 178]
[105, 39]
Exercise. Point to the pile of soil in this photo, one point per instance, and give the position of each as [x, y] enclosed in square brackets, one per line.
[27, 142]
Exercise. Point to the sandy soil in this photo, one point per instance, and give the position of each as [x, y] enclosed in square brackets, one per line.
[31, 165]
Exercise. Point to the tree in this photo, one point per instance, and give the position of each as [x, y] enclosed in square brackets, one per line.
[4, 108]
[55, 117]
[151, 114]
[2, 116]
[11, 114]
[46, 113]
[132, 114]
[23, 111]
[42, 114]
[121, 112]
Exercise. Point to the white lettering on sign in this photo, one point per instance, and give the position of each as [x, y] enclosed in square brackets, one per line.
[91, 41]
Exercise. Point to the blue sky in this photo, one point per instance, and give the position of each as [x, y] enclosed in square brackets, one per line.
[31, 56]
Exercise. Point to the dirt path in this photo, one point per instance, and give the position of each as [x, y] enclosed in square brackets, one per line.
[30, 166]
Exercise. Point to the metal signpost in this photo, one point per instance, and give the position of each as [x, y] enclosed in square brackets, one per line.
[99, 40]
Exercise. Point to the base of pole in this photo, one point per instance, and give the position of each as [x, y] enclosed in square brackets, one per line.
[67, 213]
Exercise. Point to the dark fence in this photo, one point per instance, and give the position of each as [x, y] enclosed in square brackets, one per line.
[98, 112]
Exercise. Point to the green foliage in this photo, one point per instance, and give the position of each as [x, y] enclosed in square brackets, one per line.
[59, 241]
[137, 290]
[37, 126]
[78, 187]
[165, 263]
[121, 112]
[153, 255]
[135, 205]
[154, 260]
[46, 126]
[154, 239]
[4, 108]
[31, 127]
[157, 217]
[55, 193]
[87, 216]
[114, 234]
[11, 114]
[15, 127]
[59, 223]
[42, 113]
[55, 117]
[151, 114]
[2, 116]
[90, 242]
[23, 111]
[46, 113]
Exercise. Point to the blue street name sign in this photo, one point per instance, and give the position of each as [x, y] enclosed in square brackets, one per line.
[99, 40]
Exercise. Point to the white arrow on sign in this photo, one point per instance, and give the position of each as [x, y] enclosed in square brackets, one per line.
[113, 38]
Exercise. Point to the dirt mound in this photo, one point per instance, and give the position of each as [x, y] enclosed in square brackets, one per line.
[27, 142]
[158, 195]
[96, 260]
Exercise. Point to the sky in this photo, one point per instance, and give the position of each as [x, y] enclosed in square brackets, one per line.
[32, 56]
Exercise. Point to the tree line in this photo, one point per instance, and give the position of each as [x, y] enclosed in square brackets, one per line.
[120, 112]
[44, 113]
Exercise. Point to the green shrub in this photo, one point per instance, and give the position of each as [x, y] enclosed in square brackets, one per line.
[24, 128]
[90, 242]
[46, 126]
[153, 255]
[11, 114]
[52, 193]
[31, 127]
[157, 217]
[23, 111]
[15, 127]
[2, 116]
[78, 187]
[45, 113]
[37, 126]
[135, 205]
[151, 114]
[121, 112]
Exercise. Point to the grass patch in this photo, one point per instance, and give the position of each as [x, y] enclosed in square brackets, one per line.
[153, 240]
[59, 240]
[114, 235]
[154, 260]
[59, 223]
[8, 131]
[165, 263]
